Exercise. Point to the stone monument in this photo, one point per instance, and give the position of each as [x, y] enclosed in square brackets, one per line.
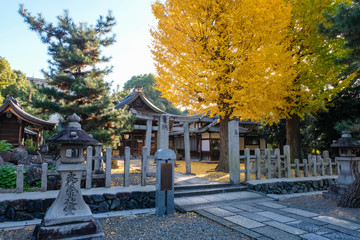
[164, 202]
[69, 217]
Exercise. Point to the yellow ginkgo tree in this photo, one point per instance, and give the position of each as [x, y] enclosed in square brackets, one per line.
[225, 57]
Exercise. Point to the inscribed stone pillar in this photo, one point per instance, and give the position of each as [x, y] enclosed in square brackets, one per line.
[187, 147]
[148, 142]
[233, 147]
[163, 132]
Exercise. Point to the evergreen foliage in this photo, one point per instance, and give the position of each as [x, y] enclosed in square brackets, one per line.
[75, 81]
[318, 79]
[7, 76]
[345, 24]
[23, 90]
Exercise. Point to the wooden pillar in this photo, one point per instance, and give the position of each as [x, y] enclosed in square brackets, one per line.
[187, 147]
[148, 143]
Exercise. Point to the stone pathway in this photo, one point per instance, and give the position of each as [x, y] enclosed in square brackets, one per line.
[261, 217]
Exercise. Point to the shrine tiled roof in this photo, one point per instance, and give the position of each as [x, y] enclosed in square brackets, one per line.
[12, 106]
[134, 95]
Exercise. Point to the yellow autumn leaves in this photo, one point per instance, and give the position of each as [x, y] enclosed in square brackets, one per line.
[252, 59]
[227, 57]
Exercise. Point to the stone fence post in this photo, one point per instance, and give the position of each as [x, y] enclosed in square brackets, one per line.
[164, 181]
[127, 167]
[20, 178]
[234, 155]
[287, 160]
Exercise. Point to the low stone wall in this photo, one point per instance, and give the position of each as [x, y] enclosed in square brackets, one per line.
[27, 209]
[293, 185]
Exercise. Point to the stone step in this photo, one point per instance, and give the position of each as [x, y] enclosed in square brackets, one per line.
[187, 191]
[202, 186]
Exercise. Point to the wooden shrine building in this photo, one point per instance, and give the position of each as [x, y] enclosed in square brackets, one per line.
[195, 137]
[15, 123]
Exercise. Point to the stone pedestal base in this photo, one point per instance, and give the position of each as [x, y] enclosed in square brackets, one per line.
[75, 231]
[336, 191]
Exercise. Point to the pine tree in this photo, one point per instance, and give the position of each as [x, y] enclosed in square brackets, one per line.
[75, 82]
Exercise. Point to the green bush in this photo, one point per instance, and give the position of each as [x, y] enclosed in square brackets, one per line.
[5, 146]
[29, 144]
[8, 176]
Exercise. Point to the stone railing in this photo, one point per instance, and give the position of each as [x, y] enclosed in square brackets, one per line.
[98, 166]
[271, 164]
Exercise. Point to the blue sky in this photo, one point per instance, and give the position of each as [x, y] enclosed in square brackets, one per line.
[130, 54]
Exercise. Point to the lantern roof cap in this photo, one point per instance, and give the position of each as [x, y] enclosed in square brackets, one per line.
[73, 134]
[346, 141]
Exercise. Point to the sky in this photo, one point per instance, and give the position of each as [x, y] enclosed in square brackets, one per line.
[131, 56]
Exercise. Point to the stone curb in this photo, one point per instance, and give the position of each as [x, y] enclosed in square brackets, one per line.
[18, 224]
[279, 197]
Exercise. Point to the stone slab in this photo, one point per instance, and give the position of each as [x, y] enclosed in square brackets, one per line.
[253, 216]
[343, 230]
[271, 204]
[275, 233]
[219, 212]
[197, 200]
[84, 230]
[313, 236]
[300, 212]
[338, 235]
[215, 197]
[217, 219]
[247, 232]
[280, 197]
[246, 207]
[276, 217]
[244, 222]
[19, 223]
[338, 222]
[286, 228]
[182, 201]
[311, 228]
[231, 209]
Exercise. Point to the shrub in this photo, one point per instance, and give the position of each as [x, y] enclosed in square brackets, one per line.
[29, 144]
[5, 146]
[8, 176]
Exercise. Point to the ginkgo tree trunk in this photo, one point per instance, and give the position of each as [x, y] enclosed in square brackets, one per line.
[224, 57]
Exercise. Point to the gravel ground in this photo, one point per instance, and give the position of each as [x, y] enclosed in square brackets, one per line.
[176, 226]
[324, 206]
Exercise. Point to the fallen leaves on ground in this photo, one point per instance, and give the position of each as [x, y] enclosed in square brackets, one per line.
[203, 170]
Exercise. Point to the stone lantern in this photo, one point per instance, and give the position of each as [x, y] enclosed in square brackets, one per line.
[347, 150]
[69, 216]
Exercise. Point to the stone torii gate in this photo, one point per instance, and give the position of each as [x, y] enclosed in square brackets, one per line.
[163, 129]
